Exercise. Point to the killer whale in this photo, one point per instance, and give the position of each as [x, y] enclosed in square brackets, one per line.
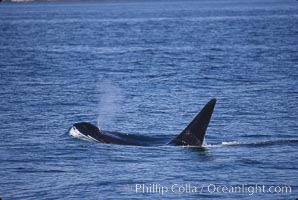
[192, 135]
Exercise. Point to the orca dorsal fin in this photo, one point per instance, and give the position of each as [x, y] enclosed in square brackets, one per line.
[194, 133]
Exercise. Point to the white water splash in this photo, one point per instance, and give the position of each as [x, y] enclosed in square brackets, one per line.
[231, 143]
[109, 106]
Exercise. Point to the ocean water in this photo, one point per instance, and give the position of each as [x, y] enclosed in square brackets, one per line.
[147, 68]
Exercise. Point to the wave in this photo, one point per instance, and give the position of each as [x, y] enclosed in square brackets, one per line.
[260, 143]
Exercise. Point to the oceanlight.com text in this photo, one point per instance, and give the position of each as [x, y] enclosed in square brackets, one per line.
[249, 189]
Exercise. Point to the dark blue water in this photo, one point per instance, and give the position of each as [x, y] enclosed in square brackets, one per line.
[147, 68]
